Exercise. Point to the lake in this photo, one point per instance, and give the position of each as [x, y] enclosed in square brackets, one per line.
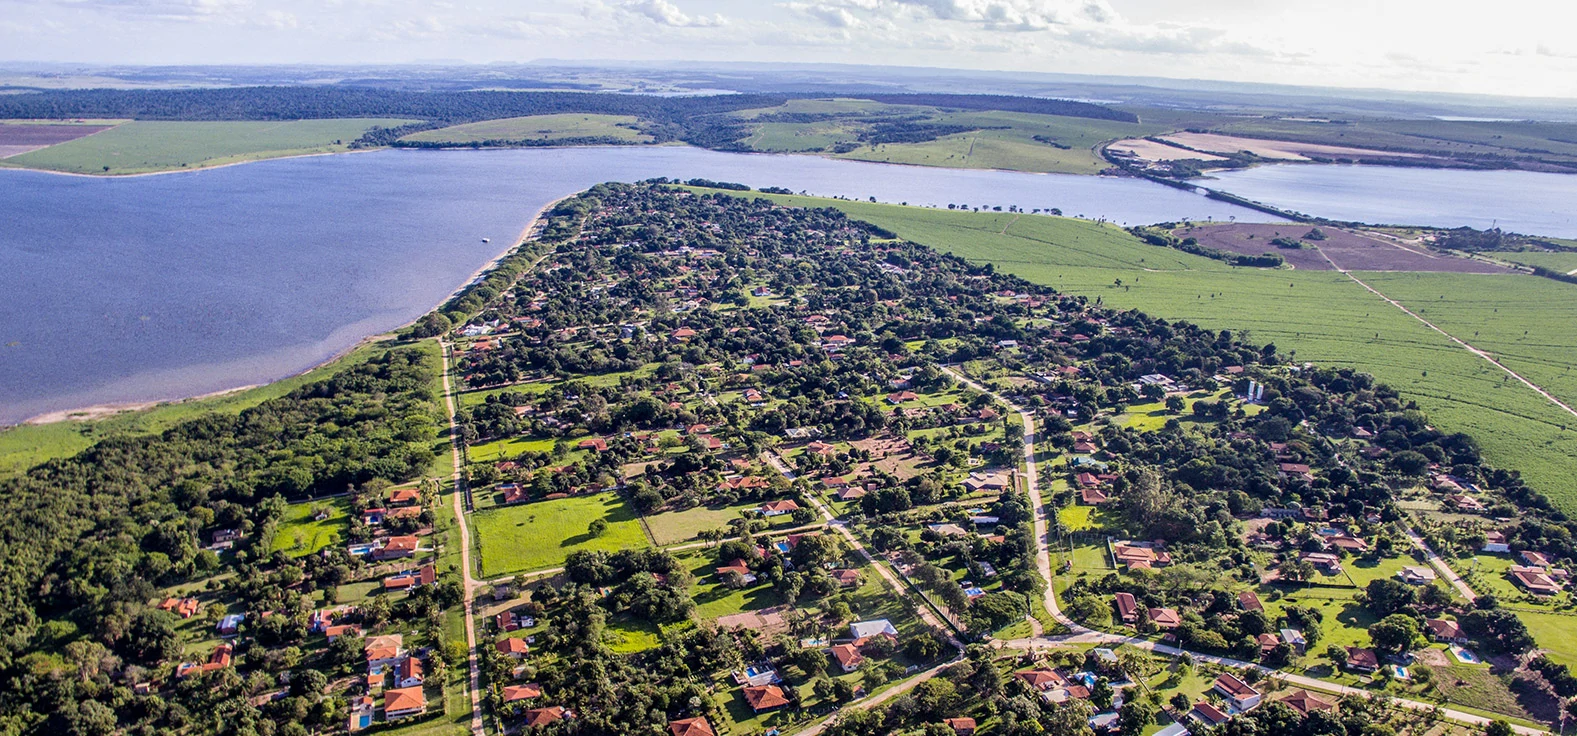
[1528, 202]
[116, 290]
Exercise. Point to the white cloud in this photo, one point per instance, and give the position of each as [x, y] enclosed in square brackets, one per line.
[163, 9]
[832, 15]
[666, 13]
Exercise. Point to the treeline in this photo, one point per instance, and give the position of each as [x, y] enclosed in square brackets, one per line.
[1192, 245]
[914, 132]
[1006, 103]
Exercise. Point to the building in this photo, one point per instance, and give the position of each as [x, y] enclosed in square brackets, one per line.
[514, 648]
[961, 726]
[1534, 559]
[778, 508]
[183, 607]
[1444, 630]
[1248, 601]
[1208, 715]
[846, 578]
[1305, 702]
[408, 673]
[1140, 555]
[231, 625]
[1362, 660]
[1127, 608]
[1041, 679]
[1267, 644]
[1416, 575]
[1093, 496]
[737, 567]
[1240, 694]
[1495, 543]
[1165, 618]
[863, 631]
[902, 397]
[691, 727]
[518, 693]
[1295, 638]
[404, 703]
[1534, 581]
[848, 656]
[395, 548]
[1325, 562]
[765, 697]
[538, 717]
[404, 496]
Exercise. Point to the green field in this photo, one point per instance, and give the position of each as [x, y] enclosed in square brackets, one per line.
[536, 536]
[674, 527]
[23, 446]
[511, 447]
[146, 146]
[300, 535]
[1563, 262]
[537, 128]
[1312, 316]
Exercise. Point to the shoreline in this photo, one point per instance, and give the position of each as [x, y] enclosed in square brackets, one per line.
[194, 169]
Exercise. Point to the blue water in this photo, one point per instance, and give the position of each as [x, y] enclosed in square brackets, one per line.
[161, 287]
[1528, 202]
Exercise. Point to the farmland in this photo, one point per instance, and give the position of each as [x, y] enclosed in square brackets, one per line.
[1563, 262]
[24, 136]
[540, 535]
[1316, 316]
[537, 128]
[147, 146]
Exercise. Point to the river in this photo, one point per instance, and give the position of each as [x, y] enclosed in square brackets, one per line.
[136, 289]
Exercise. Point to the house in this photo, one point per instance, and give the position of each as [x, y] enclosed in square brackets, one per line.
[230, 625]
[1208, 715]
[821, 448]
[1087, 480]
[384, 651]
[1325, 562]
[1173, 729]
[848, 656]
[849, 493]
[1349, 544]
[183, 607]
[335, 632]
[836, 342]
[538, 717]
[404, 496]
[1305, 702]
[960, 726]
[691, 727]
[765, 697]
[833, 481]
[1093, 496]
[1535, 581]
[226, 535]
[404, 703]
[408, 673]
[902, 396]
[980, 481]
[361, 709]
[395, 548]
[739, 567]
[513, 647]
[778, 508]
[1165, 618]
[1295, 638]
[1041, 679]
[513, 493]
[1127, 608]
[1362, 660]
[1534, 559]
[1267, 643]
[1140, 555]
[1288, 471]
[1465, 502]
[682, 334]
[863, 631]
[517, 693]
[846, 578]
[1444, 630]
[595, 444]
[1248, 601]
[1495, 542]
[1416, 575]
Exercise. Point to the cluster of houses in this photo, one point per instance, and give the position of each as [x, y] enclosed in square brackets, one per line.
[398, 674]
[1537, 575]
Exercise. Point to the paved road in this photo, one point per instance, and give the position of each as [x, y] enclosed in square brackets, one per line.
[468, 585]
[1084, 635]
[1441, 567]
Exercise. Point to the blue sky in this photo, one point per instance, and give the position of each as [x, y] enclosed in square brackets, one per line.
[1515, 47]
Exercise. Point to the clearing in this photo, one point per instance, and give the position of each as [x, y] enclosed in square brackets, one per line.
[24, 136]
[1279, 150]
[1346, 249]
[537, 536]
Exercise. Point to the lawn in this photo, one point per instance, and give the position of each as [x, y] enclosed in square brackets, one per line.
[1555, 632]
[144, 146]
[300, 535]
[504, 449]
[536, 536]
[537, 128]
[1315, 316]
[674, 527]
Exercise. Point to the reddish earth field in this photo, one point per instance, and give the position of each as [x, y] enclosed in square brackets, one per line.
[19, 138]
[1348, 250]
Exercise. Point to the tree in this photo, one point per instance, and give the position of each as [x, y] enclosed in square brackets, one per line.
[597, 528]
[1498, 728]
[1135, 714]
[1395, 634]
[1385, 596]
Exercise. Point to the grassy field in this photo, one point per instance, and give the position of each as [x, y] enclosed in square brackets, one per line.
[23, 446]
[537, 128]
[1563, 262]
[540, 535]
[511, 447]
[674, 527]
[1003, 140]
[146, 146]
[300, 535]
[1313, 316]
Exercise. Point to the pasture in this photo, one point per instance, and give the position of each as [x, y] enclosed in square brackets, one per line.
[1562, 262]
[536, 536]
[146, 146]
[537, 128]
[1312, 316]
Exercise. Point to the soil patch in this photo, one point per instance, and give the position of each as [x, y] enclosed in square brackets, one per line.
[1278, 150]
[767, 622]
[18, 139]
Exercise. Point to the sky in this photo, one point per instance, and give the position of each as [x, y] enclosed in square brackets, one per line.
[1507, 47]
